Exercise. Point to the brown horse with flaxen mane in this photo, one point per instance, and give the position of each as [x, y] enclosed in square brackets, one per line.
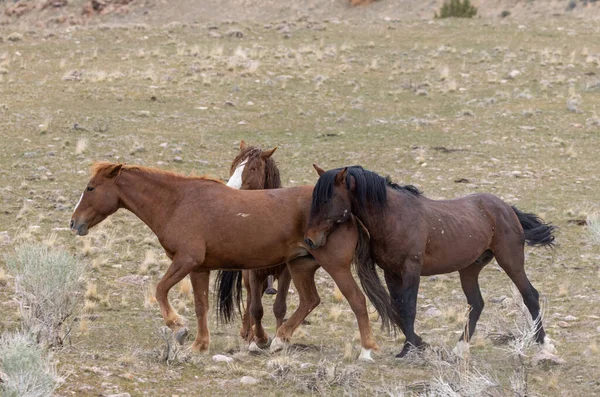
[254, 169]
[413, 236]
[204, 225]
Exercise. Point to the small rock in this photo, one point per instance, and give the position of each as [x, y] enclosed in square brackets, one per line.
[598, 329]
[563, 324]
[498, 299]
[119, 395]
[432, 312]
[570, 318]
[235, 33]
[544, 357]
[514, 74]
[422, 92]
[248, 380]
[214, 35]
[15, 36]
[178, 159]
[222, 358]
[572, 105]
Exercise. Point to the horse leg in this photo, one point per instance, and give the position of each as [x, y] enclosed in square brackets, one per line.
[257, 286]
[395, 287]
[511, 258]
[469, 280]
[200, 280]
[246, 330]
[347, 285]
[303, 273]
[180, 267]
[280, 305]
[270, 290]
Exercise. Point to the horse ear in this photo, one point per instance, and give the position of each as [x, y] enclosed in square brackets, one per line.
[268, 153]
[319, 170]
[341, 176]
[114, 171]
[243, 145]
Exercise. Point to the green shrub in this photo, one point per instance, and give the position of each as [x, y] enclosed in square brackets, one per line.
[457, 9]
[48, 284]
[25, 369]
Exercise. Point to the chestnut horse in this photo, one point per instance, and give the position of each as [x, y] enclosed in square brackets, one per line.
[254, 169]
[204, 225]
[413, 236]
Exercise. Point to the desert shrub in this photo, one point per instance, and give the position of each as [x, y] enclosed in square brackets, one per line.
[593, 223]
[48, 284]
[25, 368]
[457, 9]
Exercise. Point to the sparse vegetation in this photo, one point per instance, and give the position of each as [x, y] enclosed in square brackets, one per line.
[48, 287]
[25, 368]
[457, 9]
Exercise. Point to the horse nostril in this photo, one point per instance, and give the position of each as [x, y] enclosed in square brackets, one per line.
[309, 242]
[72, 224]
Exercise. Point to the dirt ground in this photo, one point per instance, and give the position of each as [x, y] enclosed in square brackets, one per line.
[501, 105]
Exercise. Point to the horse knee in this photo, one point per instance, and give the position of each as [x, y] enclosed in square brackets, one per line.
[256, 311]
[280, 310]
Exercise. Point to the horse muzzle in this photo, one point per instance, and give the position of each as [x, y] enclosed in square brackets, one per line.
[315, 242]
[79, 229]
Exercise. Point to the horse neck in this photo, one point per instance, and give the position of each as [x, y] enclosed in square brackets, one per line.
[149, 196]
[371, 216]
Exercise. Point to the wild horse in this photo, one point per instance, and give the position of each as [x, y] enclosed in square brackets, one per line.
[204, 225]
[254, 169]
[413, 236]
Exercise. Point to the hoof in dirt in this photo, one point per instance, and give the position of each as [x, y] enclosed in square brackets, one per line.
[271, 291]
[181, 334]
[410, 348]
[277, 345]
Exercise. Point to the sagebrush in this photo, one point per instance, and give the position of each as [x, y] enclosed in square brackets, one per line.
[48, 285]
[25, 368]
[457, 9]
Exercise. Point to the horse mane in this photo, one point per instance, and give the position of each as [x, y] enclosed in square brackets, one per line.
[106, 169]
[252, 155]
[371, 188]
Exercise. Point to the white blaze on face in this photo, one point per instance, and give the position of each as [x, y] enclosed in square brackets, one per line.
[79, 202]
[236, 179]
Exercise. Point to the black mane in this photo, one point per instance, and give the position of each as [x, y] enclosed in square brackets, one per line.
[371, 188]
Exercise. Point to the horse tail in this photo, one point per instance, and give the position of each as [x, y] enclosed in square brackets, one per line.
[228, 294]
[370, 281]
[537, 232]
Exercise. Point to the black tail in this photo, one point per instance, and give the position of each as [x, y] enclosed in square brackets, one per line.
[228, 294]
[537, 232]
[370, 281]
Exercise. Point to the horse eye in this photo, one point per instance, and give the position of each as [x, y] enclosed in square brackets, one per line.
[89, 188]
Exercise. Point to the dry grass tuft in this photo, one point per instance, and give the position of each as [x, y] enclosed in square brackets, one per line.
[593, 224]
[80, 146]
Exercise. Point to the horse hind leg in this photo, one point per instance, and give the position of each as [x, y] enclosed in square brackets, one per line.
[200, 281]
[257, 287]
[511, 258]
[280, 305]
[469, 280]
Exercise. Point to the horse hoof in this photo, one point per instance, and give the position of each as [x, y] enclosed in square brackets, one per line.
[277, 345]
[365, 355]
[181, 334]
[271, 291]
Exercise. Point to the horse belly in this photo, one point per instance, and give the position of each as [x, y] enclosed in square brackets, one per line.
[452, 253]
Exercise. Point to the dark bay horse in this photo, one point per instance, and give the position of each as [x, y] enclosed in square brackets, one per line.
[204, 225]
[254, 169]
[413, 236]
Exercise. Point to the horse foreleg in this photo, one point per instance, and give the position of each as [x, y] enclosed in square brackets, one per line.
[347, 285]
[280, 305]
[180, 267]
[404, 290]
[246, 330]
[303, 273]
[200, 280]
[257, 283]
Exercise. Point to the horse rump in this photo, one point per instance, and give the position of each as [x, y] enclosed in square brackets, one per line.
[537, 232]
